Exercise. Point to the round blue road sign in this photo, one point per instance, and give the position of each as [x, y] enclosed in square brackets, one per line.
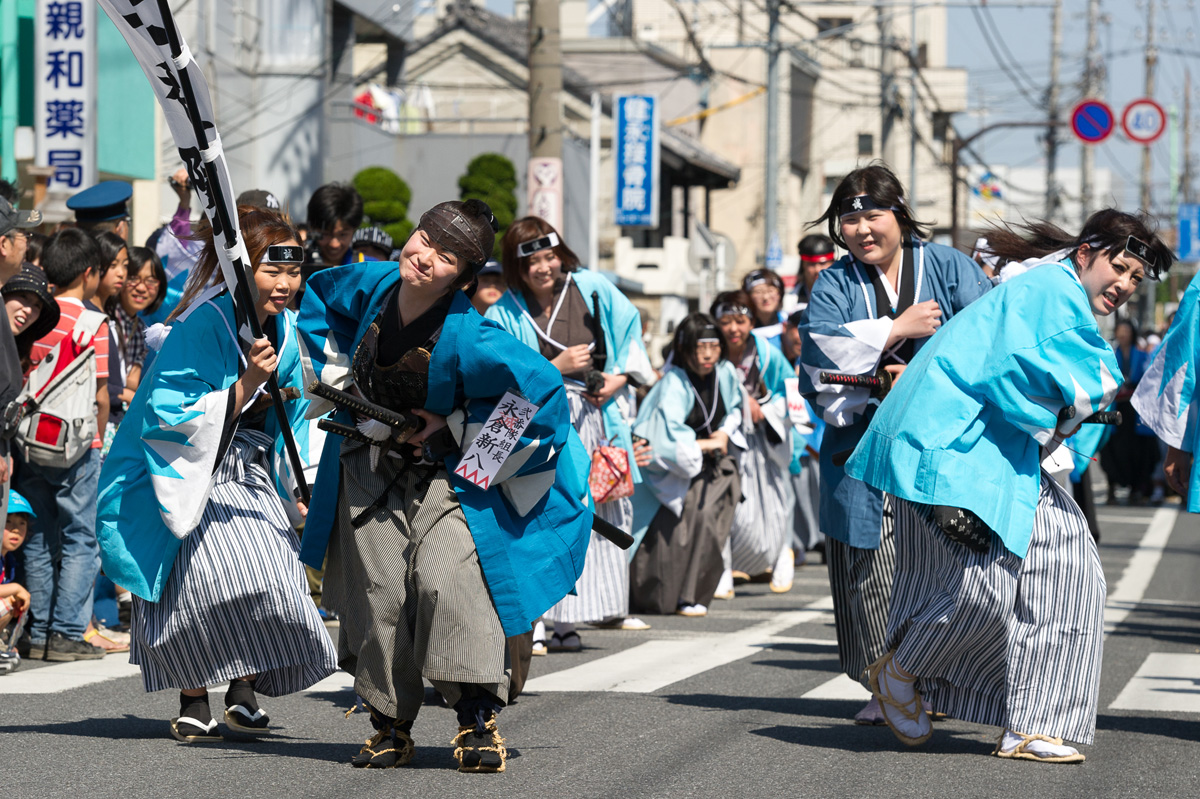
[1092, 121]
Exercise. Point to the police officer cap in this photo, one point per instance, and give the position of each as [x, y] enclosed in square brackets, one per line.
[18, 504]
[103, 202]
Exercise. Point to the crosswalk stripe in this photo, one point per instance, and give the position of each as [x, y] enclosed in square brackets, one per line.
[656, 664]
[65, 676]
[1140, 570]
[840, 687]
[1166, 682]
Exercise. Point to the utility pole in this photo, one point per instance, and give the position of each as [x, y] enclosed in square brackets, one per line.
[1052, 198]
[545, 115]
[887, 86]
[913, 55]
[771, 176]
[1091, 88]
[1151, 62]
[1185, 180]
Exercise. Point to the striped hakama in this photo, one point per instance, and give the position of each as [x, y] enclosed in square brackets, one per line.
[236, 602]
[1000, 640]
[861, 583]
[409, 589]
[762, 522]
[602, 591]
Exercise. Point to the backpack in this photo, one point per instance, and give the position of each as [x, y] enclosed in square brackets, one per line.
[59, 399]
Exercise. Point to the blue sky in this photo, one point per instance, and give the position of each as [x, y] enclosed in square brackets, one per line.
[995, 94]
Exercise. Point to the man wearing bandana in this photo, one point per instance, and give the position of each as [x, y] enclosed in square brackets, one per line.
[428, 569]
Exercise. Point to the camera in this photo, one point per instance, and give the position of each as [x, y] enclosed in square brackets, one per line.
[593, 379]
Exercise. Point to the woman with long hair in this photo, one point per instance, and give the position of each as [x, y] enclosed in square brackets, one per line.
[762, 524]
[869, 314]
[457, 525]
[684, 510]
[997, 614]
[591, 333]
[219, 595]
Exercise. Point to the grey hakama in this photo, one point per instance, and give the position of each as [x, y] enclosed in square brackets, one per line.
[679, 561]
[861, 583]
[602, 591]
[806, 525]
[236, 602]
[409, 589]
[997, 639]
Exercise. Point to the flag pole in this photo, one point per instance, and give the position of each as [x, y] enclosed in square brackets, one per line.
[245, 299]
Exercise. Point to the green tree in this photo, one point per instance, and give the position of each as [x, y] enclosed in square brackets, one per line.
[492, 178]
[385, 202]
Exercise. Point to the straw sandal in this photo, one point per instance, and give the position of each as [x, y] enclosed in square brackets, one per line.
[1019, 752]
[913, 711]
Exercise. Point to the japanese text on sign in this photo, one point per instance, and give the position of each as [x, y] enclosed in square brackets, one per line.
[496, 441]
[65, 92]
[635, 151]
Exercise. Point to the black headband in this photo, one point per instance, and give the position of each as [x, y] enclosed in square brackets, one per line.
[730, 309]
[284, 254]
[860, 203]
[528, 248]
[1142, 251]
[760, 276]
[708, 331]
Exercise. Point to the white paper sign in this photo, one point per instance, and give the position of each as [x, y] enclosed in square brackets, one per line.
[797, 410]
[495, 442]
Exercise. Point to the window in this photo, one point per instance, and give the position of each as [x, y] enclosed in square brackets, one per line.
[866, 144]
[826, 24]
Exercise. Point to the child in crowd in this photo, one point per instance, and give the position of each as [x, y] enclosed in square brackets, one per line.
[61, 556]
[14, 598]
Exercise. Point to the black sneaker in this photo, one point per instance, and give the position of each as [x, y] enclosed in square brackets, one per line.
[64, 650]
[27, 647]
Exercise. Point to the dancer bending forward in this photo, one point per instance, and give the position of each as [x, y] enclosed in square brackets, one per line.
[433, 558]
[998, 607]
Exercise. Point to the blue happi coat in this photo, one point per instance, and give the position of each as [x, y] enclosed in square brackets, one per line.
[964, 426]
[1166, 398]
[531, 527]
[840, 333]
[662, 421]
[167, 447]
[622, 326]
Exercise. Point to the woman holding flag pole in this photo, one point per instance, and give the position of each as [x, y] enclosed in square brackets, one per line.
[221, 558]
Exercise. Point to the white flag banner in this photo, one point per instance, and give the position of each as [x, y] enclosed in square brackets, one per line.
[144, 24]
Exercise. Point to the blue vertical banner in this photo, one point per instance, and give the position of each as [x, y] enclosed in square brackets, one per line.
[1189, 232]
[635, 152]
[65, 92]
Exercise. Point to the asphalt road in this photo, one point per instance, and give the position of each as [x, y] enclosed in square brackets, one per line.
[745, 702]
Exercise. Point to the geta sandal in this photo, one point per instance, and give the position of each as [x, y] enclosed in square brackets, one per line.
[191, 731]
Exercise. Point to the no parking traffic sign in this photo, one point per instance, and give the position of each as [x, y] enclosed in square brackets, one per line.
[1092, 121]
[1143, 121]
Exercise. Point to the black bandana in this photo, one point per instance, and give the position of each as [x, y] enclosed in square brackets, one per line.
[860, 203]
